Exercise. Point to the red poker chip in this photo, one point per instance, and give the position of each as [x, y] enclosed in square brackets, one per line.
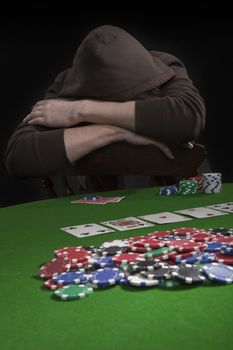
[185, 245]
[202, 237]
[150, 243]
[127, 258]
[225, 259]
[186, 231]
[165, 257]
[160, 234]
[49, 284]
[54, 266]
[136, 239]
[224, 239]
[75, 254]
[186, 255]
[137, 249]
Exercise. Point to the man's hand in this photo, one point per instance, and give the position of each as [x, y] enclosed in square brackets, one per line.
[56, 113]
[136, 139]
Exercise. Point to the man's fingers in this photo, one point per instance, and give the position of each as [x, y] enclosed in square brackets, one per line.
[188, 145]
[32, 116]
[37, 121]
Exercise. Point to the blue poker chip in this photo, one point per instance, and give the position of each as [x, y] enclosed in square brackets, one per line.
[70, 277]
[93, 197]
[227, 250]
[104, 261]
[218, 273]
[214, 247]
[168, 191]
[106, 277]
[201, 257]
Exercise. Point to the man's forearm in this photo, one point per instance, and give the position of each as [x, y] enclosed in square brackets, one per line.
[80, 141]
[121, 114]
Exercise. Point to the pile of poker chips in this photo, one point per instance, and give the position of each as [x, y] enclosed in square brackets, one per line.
[208, 182]
[164, 259]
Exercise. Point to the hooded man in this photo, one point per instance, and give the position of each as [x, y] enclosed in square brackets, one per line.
[116, 90]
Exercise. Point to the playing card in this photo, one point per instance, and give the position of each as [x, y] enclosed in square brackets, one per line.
[226, 207]
[200, 212]
[125, 224]
[86, 230]
[103, 200]
[164, 218]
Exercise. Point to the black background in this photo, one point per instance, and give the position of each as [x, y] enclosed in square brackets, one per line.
[39, 39]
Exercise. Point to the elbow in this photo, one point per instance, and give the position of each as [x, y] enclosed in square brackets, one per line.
[187, 122]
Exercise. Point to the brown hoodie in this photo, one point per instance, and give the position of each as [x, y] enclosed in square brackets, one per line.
[111, 65]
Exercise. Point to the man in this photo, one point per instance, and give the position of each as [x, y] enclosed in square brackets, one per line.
[116, 90]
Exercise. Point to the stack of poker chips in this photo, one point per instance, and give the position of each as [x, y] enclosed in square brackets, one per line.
[187, 187]
[212, 182]
[208, 182]
[168, 190]
[161, 259]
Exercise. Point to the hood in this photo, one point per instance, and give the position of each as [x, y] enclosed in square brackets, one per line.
[112, 65]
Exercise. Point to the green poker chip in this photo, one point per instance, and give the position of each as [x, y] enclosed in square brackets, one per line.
[158, 252]
[73, 292]
[172, 283]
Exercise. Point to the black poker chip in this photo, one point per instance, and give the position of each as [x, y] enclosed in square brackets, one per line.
[188, 274]
[143, 265]
[222, 231]
[113, 250]
[162, 272]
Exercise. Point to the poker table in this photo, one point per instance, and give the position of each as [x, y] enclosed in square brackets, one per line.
[120, 317]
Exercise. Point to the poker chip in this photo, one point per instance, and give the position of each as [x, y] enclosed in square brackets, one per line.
[70, 277]
[214, 246]
[105, 261]
[202, 237]
[113, 250]
[106, 277]
[185, 231]
[146, 265]
[199, 181]
[117, 242]
[212, 182]
[172, 283]
[138, 280]
[158, 252]
[226, 250]
[221, 231]
[168, 190]
[224, 239]
[218, 273]
[149, 243]
[159, 234]
[184, 245]
[73, 292]
[225, 259]
[187, 187]
[126, 258]
[137, 249]
[50, 285]
[54, 266]
[75, 254]
[162, 272]
[92, 197]
[188, 274]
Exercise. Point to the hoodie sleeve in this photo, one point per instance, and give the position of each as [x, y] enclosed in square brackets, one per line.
[36, 151]
[177, 113]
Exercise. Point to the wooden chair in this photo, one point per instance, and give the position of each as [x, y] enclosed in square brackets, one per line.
[123, 158]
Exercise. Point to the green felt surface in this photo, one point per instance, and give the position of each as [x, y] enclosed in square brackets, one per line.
[115, 318]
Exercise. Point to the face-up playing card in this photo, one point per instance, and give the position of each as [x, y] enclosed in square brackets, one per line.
[86, 230]
[125, 224]
[226, 207]
[103, 200]
[201, 212]
[164, 218]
